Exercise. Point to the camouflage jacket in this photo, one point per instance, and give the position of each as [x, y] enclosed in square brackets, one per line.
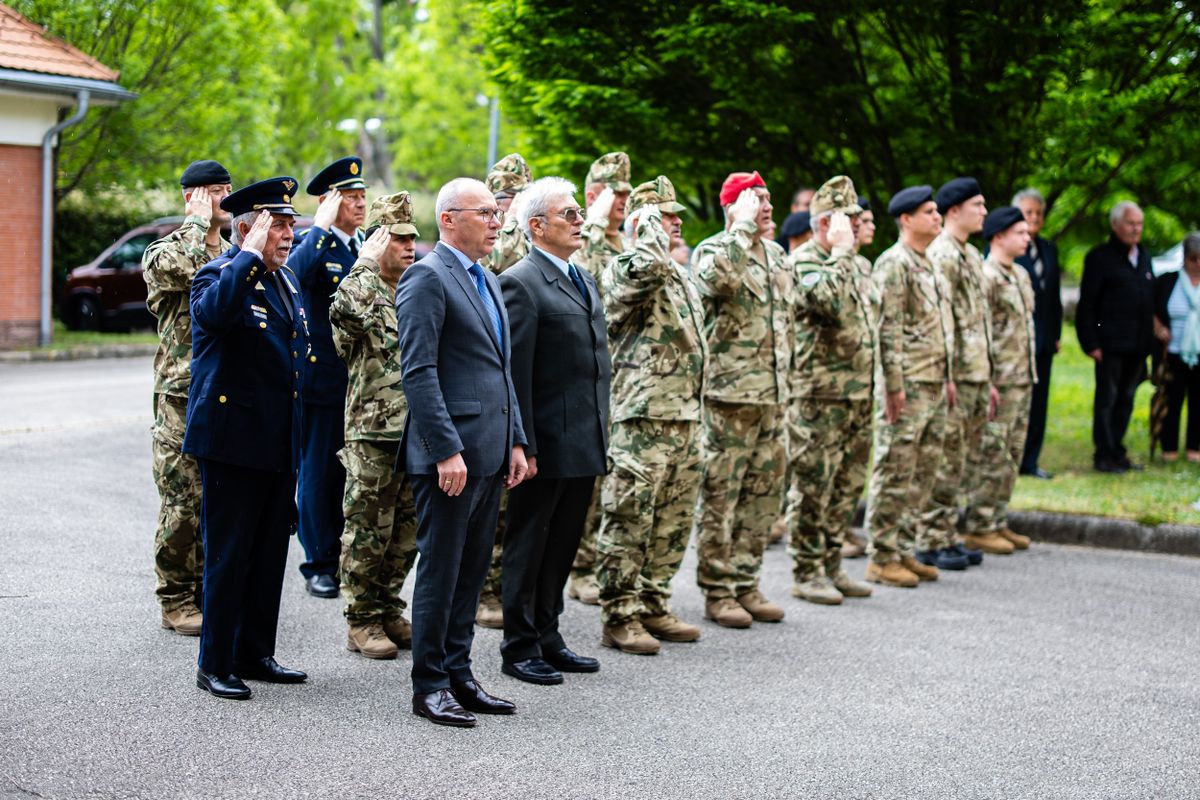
[916, 323]
[962, 265]
[168, 267]
[836, 335]
[747, 316]
[597, 249]
[511, 247]
[869, 289]
[1009, 294]
[363, 319]
[655, 330]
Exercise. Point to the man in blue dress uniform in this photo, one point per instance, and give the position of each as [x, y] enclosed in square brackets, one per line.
[321, 258]
[249, 339]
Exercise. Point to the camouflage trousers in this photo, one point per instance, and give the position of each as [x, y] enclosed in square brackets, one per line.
[997, 462]
[832, 465]
[739, 494]
[903, 475]
[937, 526]
[585, 556]
[789, 497]
[491, 584]
[178, 546]
[646, 504]
[379, 540]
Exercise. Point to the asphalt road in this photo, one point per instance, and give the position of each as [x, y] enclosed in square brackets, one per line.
[1058, 673]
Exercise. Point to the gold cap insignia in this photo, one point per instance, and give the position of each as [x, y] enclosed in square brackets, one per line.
[287, 199]
[353, 168]
[289, 185]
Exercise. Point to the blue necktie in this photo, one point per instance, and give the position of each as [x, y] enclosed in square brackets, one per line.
[579, 284]
[488, 303]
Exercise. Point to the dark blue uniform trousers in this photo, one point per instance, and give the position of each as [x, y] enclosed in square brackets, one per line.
[246, 517]
[454, 538]
[322, 486]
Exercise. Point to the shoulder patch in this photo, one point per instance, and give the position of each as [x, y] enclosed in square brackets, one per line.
[810, 279]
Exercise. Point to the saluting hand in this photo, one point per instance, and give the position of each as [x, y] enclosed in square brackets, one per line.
[328, 210]
[601, 206]
[376, 244]
[745, 207]
[256, 237]
[200, 204]
[841, 234]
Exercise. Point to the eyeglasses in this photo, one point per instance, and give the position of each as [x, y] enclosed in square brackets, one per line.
[485, 214]
[571, 215]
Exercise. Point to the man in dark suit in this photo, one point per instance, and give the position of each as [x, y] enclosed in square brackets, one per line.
[249, 338]
[1114, 323]
[1041, 262]
[322, 257]
[561, 369]
[463, 442]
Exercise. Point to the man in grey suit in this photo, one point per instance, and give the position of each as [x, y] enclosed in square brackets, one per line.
[561, 369]
[463, 442]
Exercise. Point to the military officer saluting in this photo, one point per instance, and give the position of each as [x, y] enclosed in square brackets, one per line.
[321, 259]
[249, 339]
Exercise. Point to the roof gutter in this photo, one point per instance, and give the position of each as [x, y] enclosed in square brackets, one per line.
[81, 108]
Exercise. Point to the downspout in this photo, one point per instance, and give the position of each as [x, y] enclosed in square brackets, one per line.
[81, 109]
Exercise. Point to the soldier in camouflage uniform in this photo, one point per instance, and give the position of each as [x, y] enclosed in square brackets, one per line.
[961, 204]
[836, 357]
[747, 292]
[916, 345]
[606, 192]
[168, 267]
[1010, 299]
[379, 541]
[656, 337]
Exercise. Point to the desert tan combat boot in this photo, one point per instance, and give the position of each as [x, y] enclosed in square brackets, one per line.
[922, 571]
[892, 573]
[990, 542]
[850, 587]
[370, 641]
[399, 630]
[727, 613]
[184, 620]
[854, 546]
[1018, 541]
[629, 637]
[584, 589]
[819, 590]
[490, 614]
[778, 529]
[762, 609]
[670, 628]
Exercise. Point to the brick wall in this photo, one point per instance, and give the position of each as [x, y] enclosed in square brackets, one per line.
[20, 244]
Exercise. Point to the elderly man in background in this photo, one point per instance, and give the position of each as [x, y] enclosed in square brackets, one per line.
[1114, 323]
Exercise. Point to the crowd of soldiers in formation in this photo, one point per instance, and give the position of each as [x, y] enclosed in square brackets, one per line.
[750, 387]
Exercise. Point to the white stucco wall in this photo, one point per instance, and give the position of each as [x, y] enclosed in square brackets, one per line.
[25, 118]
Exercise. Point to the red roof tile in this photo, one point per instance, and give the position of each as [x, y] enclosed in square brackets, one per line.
[26, 46]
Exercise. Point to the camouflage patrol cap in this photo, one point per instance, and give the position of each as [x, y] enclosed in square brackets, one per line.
[509, 174]
[611, 169]
[394, 212]
[836, 194]
[659, 191]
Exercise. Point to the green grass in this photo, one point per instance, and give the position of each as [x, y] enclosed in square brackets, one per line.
[1161, 493]
[66, 339]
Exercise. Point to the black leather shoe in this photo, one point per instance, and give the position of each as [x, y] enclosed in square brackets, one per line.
[1125, 463]
[228, 686]
[945, 558]
[532, 670]
[268, 670]
[566, 660]
[321, 586]
[473, 698]
[974, 557]
[441, 708]
[1104, 465]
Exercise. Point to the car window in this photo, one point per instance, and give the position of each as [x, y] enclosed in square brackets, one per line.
[129, 254]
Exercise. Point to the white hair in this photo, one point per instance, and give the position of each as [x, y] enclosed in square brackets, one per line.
[1029, 193]
[235, 234]
[1119, 210]
[815, 222]
[537, 197]
[449, 194]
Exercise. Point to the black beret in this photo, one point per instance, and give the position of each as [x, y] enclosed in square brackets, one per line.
[864, 202]
[908, 200]
[1001, 220]
[796, 224]
[956, 191]
[273, 194]
[204, 173]
[345, 173]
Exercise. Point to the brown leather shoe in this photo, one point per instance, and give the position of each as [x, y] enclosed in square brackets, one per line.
[891, 574]
[990, 542]
[854, 546]
[399, 630]
[670, 628]
[760, 608]
[728, 613]
[490, 614]
[922, 571]
[1018, 541]
[441, 708]
[185, 620]
[629, 637]
[370, 641]
[584, 589]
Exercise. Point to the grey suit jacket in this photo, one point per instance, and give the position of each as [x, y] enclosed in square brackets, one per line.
[456, 375]
[560, 366]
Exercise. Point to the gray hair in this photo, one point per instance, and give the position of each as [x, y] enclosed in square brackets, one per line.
[449, 194]
[815, 222]
[1118, 211]
[1191, 244]
[535, 200]
[235, 235]
[1029, 193]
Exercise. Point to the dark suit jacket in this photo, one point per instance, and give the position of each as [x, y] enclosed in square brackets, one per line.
[321, 261]
[456, 375]
[1047, 296]
[560, 366]
[247, 349]
[1116, 301]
